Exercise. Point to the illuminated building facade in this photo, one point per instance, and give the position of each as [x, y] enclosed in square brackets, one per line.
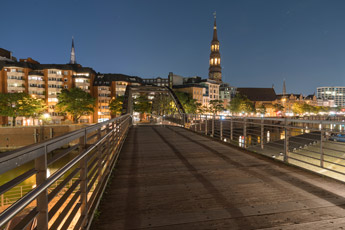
[332, 93]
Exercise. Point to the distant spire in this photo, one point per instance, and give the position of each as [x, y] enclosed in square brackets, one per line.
[73, 60]
[215, 37]
[284, 88]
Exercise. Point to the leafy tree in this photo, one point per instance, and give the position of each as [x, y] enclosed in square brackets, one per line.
[189, 104]
[278, 107]
[115, 105]
[241, 103]
[142, 104]
[75, 102]
[262, 109]
[20, 104]
[216, 106]
[297, 108]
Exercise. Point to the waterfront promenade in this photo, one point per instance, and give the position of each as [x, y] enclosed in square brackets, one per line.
[172, 178]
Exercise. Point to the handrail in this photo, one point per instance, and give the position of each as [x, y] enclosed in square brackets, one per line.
[95, 167]
[316, 145]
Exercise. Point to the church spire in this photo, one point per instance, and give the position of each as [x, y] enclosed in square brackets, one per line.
[73, 60]
[215, 37]
[215, 70]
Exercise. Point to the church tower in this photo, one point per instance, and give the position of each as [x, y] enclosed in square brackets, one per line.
[215, 71]
[73, 60]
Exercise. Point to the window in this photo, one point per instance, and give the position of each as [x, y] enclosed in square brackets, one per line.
[65, 72]
[66, 86]
[13, 70]
[65, 79]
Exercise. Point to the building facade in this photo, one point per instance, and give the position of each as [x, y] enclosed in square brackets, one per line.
[44, 81]
[332, 93]
[195, 90]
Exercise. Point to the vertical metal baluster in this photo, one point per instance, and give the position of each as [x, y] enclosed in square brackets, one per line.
[231, 129]
[321, 146]
[206, 125]
[262, 134]
[213, 118]
[221, 129]
[245, 133]
[42, 199]
[83, 179]
[286, 141]
[200, 122]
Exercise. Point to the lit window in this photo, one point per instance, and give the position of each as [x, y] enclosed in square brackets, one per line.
[215, 61]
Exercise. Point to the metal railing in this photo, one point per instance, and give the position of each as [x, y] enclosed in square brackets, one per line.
[317, 145]
[68, 198]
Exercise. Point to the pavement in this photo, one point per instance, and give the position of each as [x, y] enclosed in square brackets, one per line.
[171, 178]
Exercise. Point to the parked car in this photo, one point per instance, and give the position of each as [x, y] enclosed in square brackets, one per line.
[337, 137]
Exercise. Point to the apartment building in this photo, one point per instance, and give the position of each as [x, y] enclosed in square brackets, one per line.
[44, 81]
[107, 87]
[197, 91]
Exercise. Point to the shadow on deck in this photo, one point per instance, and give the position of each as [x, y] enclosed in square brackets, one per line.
[171, 178]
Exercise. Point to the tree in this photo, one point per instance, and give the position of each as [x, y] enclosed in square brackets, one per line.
[278, 107]
[216, 106]
[20, 104]
[297, 108]
[142, 104]
[189, 104]
[241, 104]
[75, 102]
[116, 105]
[262, 109]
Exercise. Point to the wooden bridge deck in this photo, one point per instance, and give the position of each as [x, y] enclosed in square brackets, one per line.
[171, 178]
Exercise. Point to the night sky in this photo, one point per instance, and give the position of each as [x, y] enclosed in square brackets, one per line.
[262, 42]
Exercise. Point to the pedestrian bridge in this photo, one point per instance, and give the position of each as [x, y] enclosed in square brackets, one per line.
[173, 176]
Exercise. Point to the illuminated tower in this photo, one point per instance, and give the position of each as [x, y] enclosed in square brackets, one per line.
[215, 71]
[73, 60]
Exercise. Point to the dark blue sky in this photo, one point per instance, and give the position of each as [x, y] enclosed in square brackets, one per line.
[261, 41]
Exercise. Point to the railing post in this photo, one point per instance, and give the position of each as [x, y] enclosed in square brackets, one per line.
[221, 128]
[231, 129]
[286, 141]
[42, 199]
[99, 155]
[51, 133]
[200, 122]
[206, 125]
[244, 132]
[35, 135]
[83, 180]
[183, 120]
[321, 146]
[213, 118]
[195, 128]
[262, 134]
